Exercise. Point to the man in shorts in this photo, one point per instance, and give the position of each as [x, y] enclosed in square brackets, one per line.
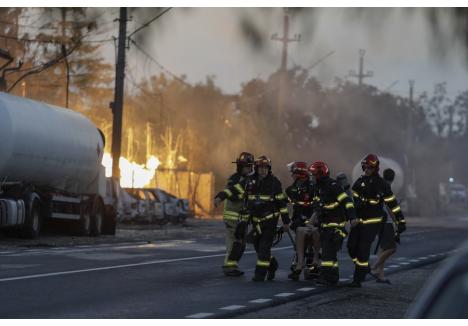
[387, 237]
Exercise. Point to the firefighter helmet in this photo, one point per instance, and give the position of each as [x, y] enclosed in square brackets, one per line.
[245, 159]
[319, 169]
[372, 161]
[299, 168]
[262, 161]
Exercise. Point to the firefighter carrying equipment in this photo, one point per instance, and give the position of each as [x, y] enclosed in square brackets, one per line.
[335, 207]
[264, 202]
[370, 194]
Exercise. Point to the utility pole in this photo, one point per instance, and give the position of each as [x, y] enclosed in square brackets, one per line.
[117, 105]
[361, 75]
[285, 40]
[284, 59]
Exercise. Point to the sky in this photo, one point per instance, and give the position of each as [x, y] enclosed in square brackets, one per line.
[198, 42]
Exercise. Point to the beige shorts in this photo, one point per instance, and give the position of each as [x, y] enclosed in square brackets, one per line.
[308, 230]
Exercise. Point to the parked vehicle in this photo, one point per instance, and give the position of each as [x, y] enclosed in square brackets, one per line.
[143, 206]
[50, 168]
[148, 207]
[158, 208]
[171, 210]
[184, 209]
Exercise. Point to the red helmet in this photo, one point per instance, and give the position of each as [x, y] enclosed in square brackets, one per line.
[262, 161]
[371, 160]
[319, 169]
[299, 168]
[245, 159]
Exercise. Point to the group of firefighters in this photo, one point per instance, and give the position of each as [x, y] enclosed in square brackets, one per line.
[321, 209]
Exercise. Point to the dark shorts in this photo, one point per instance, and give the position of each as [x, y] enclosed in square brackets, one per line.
[388, 237]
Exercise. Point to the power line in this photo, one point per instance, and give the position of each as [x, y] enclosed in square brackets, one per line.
[149, 22]
[160, 65]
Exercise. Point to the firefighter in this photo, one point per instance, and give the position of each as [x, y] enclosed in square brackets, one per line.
[370, 194]
[334, 208]
[307, 235]
[235, 246]
[265, 203]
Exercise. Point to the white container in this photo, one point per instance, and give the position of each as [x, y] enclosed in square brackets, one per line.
[48, 146]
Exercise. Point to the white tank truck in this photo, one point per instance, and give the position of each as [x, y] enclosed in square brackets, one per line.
[50, 168]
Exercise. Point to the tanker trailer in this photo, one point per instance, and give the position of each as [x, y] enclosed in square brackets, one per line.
[50, 168]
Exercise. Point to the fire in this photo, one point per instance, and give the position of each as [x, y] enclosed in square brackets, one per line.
[132, 175]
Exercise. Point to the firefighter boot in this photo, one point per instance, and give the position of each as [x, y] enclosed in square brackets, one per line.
[272, 269]
[234, 272]
[260, 273]
[295, 275]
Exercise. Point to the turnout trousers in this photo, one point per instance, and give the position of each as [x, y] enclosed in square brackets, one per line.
[359, 247]
[330, 242]
[234, 247]
[264, 236]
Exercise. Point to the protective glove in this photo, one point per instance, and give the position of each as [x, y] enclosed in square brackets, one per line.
[401, 227]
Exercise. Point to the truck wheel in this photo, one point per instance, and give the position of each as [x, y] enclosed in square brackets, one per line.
[110, 224]
[84, 224]
[32, 225]
[97, 218]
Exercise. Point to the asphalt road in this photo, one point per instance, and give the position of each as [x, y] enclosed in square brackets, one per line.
[177, 278]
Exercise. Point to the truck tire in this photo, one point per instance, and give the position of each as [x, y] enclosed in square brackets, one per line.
[97, 218]
[110, 224]
[33, 223]
[84, 223]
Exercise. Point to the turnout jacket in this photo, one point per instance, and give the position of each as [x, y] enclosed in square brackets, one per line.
[263, 198]
[334, 205]
[234, 203]
[370, 194]
[299, 195]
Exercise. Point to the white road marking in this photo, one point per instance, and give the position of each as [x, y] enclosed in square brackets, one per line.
[414, 260]
[402, 258]
[151, 262]
[393, 266]
[284, 294]
[65, 250]
[305, 289]
[344, 279]
[200, 315]
[260, 300]
[233, 307]
[423, 257]
[433, 255]
[404, 263]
